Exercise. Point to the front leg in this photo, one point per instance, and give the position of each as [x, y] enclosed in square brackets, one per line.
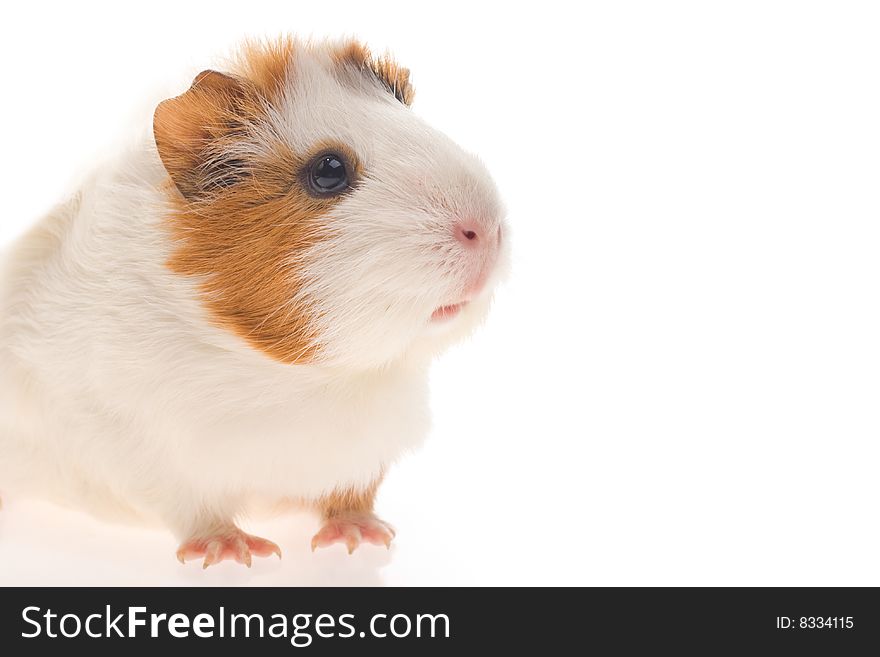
[348, 518]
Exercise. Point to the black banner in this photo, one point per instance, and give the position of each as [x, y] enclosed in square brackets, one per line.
[437, 621]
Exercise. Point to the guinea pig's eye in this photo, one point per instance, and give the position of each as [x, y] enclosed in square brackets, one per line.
[327, 175]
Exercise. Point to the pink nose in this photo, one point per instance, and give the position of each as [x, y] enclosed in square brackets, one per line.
[472, 236]
[482, 243]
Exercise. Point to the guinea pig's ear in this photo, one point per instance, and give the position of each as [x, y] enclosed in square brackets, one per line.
[193, 133]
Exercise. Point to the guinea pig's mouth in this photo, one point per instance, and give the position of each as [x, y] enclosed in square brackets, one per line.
[445, 313]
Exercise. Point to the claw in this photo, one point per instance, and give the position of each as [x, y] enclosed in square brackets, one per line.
[213, 554]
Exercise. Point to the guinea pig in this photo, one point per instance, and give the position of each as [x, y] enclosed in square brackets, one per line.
[242, 308]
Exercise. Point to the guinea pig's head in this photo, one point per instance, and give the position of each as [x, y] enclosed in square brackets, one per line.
[323, 220]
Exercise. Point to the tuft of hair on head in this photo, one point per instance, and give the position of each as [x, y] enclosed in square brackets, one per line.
[394, 77]
[268, 63]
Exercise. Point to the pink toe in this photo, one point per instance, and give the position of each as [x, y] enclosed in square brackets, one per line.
[233, 545]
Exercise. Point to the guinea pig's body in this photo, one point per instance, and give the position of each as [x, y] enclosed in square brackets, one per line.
[245, 307]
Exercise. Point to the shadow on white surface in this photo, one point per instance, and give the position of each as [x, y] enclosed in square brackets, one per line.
[45, 545]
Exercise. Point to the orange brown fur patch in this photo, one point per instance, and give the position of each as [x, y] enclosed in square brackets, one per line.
[237, 224]
[267, 64]
[241, 248]
[349, 500]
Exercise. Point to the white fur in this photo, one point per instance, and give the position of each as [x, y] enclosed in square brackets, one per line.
[118, 392]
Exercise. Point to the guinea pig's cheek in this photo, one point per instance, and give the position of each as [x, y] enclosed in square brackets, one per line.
[241, 254]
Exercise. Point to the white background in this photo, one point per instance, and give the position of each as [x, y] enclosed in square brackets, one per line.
[678, 384]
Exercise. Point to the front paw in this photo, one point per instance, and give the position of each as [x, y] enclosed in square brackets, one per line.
[352, 529]
[230, 543]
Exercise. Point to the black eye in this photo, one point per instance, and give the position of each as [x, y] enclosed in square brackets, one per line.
[328, 175]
